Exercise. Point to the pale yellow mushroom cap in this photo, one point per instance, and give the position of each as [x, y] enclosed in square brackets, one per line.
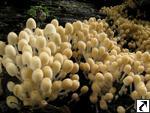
[46, 84]
[55, 22]
[81, 45]
[27, 48]
[35, 63]
[77, 25]
[40, 42]
[18, 60]
[67, 83]
[46, 49]
[95, 87]
[26, 73]
[12, 69]
[10, 51]
[27, 85]
[26, 58]
[56, 66]
[108, 96]
[39, 32]
[75, 96]
[37, 75]
[84, 89]
[128, 80]
[28, 31]
[68, 28]
[93, 98]
[52, 46]
[10, 86]
[75, 68]
[57, 86]
[12, 38]
[18, 90]
[75, 85]
[49, 29]
[67, 66]
[12, 102]
[21, 44]
[59, 57]
[135, 95]
[121, 109]
[67, 52]
[24, 35]
[141, 88]
[127, 68]
[55, 37]
[99, 77]
[44, 57]
[103, 104]
[102, 36]
[31, 24]
[47, 72]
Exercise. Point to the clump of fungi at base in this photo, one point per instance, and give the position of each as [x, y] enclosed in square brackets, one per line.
[47, 62]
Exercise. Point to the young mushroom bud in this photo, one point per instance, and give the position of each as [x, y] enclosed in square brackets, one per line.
[44, 57]
[31, 24]
[27, 48]
[26, 73]
[47, 71]
[35, 63]
[121, 109]
[68, 28]
[18, 90]
[40, 42]
[24, 35]
[12, 69]
[46, 85]
[75, 85]
[67, 52]
[37, 75]
[55, 37]
[75, 68]
[103, 104]
[10, 86]
[56, 66]
[141, 88]
[56, 86]
[84, 89]
[55, 22]
[59, 57]
[67, 66]
[52, 46]
[94, 98]
[49, 29]
[21, 44]
[12, 38]
[10, 51]
[26, 58]
[12, 102]
[75, 77]
[67, 84]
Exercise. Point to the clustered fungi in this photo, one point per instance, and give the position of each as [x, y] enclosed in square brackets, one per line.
[47, 63]
[131, 33]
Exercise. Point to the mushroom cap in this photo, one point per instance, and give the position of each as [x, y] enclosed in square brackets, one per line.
[12, 102]
[37, 75]
[31, 24]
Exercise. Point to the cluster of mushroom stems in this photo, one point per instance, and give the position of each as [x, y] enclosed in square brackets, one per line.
[47, 62]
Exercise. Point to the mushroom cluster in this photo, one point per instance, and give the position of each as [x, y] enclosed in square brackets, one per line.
[131, 33]
[49, 63]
